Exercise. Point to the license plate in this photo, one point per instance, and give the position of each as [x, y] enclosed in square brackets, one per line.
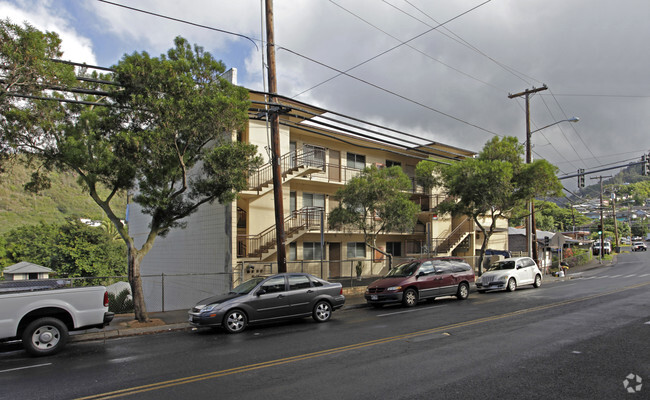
[374, 297]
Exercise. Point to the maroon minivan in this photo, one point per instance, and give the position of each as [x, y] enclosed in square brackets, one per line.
[420, 279]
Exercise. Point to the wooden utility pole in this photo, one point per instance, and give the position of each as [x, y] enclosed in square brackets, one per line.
[531, 231]
[602, 226]
[274, 120]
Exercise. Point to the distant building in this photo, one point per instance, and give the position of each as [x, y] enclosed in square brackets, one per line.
[25, 270]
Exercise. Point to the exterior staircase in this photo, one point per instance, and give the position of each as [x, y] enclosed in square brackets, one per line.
[446, 245]
[264, 244]
[293, 164]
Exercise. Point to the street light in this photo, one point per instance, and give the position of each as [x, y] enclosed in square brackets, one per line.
[530, 233]
[572, 119]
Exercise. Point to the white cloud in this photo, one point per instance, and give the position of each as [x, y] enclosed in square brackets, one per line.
[46, 16]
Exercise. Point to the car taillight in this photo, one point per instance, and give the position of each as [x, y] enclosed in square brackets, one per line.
[105, 299]
[341, 292]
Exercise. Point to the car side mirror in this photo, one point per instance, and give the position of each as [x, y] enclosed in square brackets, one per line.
[261, 292]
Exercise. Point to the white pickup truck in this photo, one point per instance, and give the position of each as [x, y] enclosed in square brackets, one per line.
[41, 313]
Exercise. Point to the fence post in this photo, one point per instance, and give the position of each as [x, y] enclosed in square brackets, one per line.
[162, 275]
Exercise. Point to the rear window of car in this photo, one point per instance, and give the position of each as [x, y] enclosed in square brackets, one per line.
[459, 266]
[298, 282]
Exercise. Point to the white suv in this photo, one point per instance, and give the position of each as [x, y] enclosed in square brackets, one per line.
[508, 274]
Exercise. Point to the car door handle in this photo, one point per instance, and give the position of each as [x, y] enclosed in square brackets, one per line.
[280, 296]
[310, 291]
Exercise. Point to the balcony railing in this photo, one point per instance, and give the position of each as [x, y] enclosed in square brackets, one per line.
[289, 162]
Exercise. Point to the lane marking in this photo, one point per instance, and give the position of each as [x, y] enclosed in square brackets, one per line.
[408, 311]
[630, 276]
[28, 367]
[336, 350]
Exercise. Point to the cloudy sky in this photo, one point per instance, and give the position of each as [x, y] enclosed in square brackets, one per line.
[441, 70]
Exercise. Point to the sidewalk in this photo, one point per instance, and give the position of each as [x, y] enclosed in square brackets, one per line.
[125, 325]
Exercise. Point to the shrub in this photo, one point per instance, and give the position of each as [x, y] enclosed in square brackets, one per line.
[122, 303]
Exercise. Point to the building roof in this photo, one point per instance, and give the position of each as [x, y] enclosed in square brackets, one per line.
[25, 267]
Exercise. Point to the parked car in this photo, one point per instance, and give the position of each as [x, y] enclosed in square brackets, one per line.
[639, 246]
[510, 273]
[607, 248]
[420, 279]
[42, 312]
[269, 298]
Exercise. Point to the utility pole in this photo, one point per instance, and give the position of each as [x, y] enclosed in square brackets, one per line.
[274, 119]
[531, 231]
[615, 222]
[602, 226]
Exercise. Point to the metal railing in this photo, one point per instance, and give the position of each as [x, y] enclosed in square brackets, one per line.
[308, 218]
[289, 162]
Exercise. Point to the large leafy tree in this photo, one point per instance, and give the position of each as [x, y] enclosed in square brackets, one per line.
[375, 201]
[164, 130]
[26, 69]
[72, 249]
[493, 184]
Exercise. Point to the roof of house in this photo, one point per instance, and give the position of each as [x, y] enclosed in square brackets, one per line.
[25, 267]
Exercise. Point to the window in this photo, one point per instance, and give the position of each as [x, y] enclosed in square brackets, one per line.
[274, 285]
[298, 282]
[314, 156]
[357, 161]
[426, 268]
[293, 251]
[292, 202]
[443, 267]
[394, 248]
[356, 250]
[313, 200]
[391, 163]
[311, 251]
[459, 266]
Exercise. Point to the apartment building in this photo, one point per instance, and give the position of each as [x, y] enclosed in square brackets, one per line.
[318, 156]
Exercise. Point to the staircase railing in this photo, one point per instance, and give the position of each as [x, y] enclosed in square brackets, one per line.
[308, 218]
[452, 239]
[288, 162]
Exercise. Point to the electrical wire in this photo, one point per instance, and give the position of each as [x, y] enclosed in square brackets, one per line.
[182, 21]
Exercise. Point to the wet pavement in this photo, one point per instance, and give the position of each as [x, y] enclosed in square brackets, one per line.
[125, 324]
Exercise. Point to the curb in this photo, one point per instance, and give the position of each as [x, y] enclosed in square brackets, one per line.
[109, 334]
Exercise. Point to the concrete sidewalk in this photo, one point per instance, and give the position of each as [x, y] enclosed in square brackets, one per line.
[125, 325]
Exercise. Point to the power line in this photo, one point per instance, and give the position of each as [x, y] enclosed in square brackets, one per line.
[182, 21]
[389, 91]
[386, 51]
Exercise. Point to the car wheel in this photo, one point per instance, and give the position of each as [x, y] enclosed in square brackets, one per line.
[235, 321]
[45, 336]
[463, 291]
[410, 298]
[538, 281]
[512, 285]
[322, 311]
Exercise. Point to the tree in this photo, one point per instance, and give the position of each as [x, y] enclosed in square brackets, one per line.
[72, 249]
[166, 129]
[493, 184]
[375, 201]
[26, 69]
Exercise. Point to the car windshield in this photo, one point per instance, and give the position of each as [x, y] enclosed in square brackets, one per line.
[247, 286]
[406, 269]
[497, 266]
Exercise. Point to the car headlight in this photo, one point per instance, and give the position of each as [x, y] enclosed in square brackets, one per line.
[504, 278]
[210, 307]
[394, 288]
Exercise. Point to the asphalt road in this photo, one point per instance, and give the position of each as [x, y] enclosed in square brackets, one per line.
[575, 339]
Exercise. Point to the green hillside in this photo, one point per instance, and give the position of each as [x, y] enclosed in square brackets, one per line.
[63, 200]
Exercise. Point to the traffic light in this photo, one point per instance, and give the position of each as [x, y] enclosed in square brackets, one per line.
[646, 164]
[547, 241]
[581, 178]
[600, 229]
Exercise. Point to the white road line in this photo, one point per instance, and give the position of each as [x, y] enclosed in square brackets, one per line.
[19, 368]
[641, 276]
[629, 276]
[615, 276]
[408, 311]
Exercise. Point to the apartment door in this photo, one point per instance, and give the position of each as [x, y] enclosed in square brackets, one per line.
[335, 166]
[335, 259]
